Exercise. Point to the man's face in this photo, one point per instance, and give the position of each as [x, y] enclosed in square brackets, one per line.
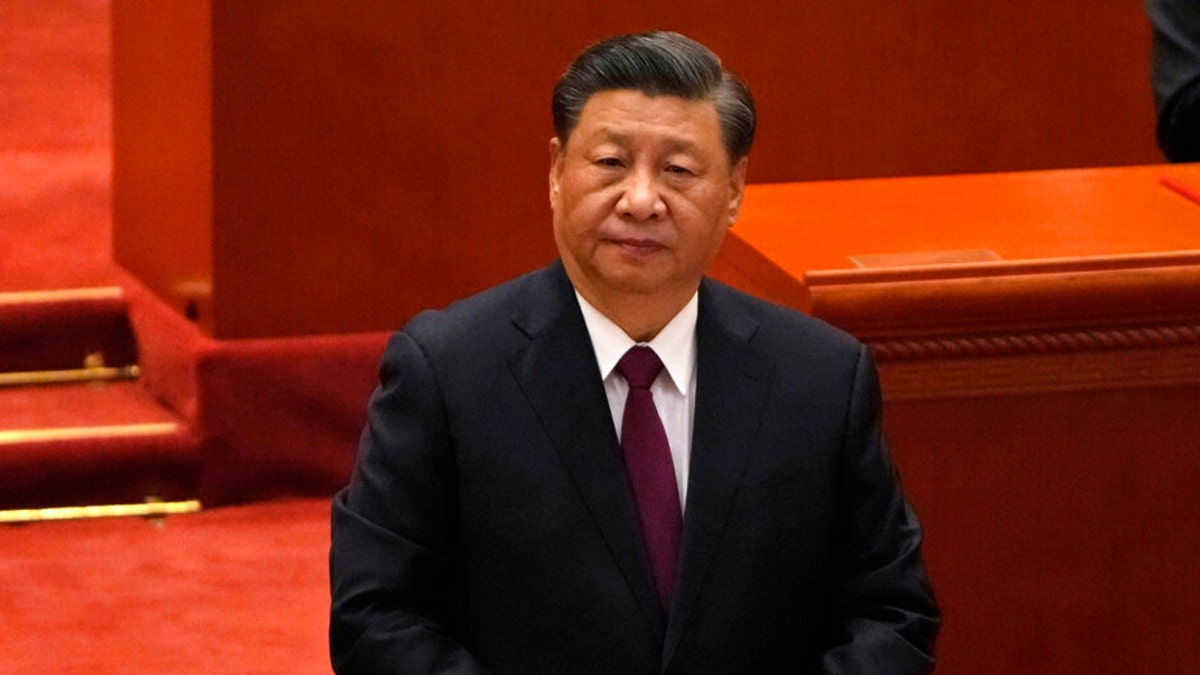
[642, 195]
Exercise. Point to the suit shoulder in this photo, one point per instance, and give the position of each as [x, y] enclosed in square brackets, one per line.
[782, 326]
[485, 318]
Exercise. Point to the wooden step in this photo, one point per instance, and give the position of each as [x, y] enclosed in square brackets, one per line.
[65, 330]
[92, 444]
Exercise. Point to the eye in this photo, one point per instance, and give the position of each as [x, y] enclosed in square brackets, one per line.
[609, 162]
[680, 170]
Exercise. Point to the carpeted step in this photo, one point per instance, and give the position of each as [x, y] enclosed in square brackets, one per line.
[85, 444]
[65, 329]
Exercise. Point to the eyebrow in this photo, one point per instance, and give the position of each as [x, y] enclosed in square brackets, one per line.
[674, 144]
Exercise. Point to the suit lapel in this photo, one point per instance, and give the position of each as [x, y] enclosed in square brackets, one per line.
[558, 374]
[733, 380]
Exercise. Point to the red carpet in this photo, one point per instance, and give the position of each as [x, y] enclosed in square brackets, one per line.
[258, 419]
[55, 140]
[233, 590]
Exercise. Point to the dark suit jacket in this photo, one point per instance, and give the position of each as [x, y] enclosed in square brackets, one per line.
[489, 527]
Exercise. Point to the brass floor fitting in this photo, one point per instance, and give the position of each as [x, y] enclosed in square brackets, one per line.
[91, 374]
[149, 510]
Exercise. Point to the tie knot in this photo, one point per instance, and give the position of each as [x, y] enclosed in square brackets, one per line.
[639, 367]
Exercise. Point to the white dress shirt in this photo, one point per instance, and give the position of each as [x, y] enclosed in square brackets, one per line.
[674, 390]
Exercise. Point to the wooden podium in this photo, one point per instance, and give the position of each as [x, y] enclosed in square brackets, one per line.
[1038, 338]
[958, 282]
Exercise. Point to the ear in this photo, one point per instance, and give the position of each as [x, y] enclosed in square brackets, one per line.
[555, 168]
[737, 189]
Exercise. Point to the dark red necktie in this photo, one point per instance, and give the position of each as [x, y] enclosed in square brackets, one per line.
[650, 469]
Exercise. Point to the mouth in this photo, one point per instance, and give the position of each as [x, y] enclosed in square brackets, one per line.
[637, 247]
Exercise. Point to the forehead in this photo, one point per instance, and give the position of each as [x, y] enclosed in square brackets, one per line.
[623, 115]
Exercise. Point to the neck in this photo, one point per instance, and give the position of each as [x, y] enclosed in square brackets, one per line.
[641, 317]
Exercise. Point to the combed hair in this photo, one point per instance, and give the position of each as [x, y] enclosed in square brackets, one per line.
[658, 63]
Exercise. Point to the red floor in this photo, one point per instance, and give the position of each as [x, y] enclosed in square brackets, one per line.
[55, 144]
[234, 590]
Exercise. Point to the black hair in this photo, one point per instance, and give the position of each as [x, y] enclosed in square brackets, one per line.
[658, 63]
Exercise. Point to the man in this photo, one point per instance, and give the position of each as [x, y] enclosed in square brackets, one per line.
[1176, 76]
[525, 501]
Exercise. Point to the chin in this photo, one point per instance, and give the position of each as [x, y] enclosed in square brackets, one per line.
[638, 283]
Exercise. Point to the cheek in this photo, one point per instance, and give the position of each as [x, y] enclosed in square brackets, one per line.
[704, 234]
[572, 223]
[588, 207]
[712, 241]
[707, 214]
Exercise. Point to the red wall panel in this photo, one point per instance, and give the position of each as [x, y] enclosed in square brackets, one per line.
[373, 158]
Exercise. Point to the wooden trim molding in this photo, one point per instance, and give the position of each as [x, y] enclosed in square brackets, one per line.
[1032, 374]
[1047, 342]
[1014, 327]
[1001, 268]
[974, 301]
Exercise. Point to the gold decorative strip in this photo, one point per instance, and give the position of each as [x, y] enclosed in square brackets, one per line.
[92, 374]
[149, 509]
[62, 295]
[74, 433]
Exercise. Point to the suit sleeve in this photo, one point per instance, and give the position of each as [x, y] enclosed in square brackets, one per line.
[885, 617]
[396, 590]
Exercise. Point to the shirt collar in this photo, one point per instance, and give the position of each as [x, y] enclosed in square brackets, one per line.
[675, 344]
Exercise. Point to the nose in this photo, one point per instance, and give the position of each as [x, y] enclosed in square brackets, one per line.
[641, 198]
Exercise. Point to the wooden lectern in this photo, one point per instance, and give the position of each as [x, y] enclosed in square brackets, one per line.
[991, 284]
[1038, 338]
